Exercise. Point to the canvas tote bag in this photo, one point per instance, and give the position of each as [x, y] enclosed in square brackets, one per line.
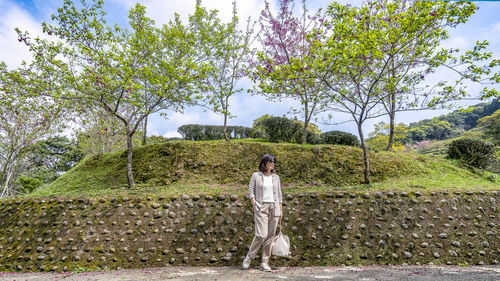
[281, 245]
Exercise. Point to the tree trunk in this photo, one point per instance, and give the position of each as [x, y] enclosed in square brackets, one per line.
[392, 116]
[144, 141]
[304, 133]
[3, 174]
[7, 181]
[365, 156]
[130, 175]
[392, 111]
[306, 124]
[225, 127]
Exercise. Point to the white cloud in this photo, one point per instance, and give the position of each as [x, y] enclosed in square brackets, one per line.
[172, 134]
[496, 28]
[12, 51]
[459, 42]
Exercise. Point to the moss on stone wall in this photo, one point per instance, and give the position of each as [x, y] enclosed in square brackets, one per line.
[350, 228]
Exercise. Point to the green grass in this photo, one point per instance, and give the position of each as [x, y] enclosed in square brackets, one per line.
[440, 147]
[215, 167]
[441, 175]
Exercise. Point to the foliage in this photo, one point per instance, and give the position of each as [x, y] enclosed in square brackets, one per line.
[380, 137]
[99, 132]
[282, 129]
[339, 137]
[257, 128]
[434, 129]
[129, 74]
[28, 184]
[351, 64]
[492, 126]
[459, 120]
[472, 152]
[283, 66]
[415, 32]
[417, 134]
[311, 127]
[210, 132]
[468, 119]
[312, 138]
[153, 139]
[279, 129]
[51, 157]
[439, 130]
[226, 50]
[26, 116]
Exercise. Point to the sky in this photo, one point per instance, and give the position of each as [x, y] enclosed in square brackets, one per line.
[29, 14]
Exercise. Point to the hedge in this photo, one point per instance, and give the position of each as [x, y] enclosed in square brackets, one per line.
[197, 132]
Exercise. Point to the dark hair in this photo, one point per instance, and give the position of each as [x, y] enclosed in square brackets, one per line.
[266, 158]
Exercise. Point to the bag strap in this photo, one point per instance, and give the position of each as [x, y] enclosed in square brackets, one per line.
[280, 224]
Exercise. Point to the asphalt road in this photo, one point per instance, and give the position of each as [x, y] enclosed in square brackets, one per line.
[359, 273]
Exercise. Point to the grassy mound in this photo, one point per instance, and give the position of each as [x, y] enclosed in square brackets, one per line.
[214, 166]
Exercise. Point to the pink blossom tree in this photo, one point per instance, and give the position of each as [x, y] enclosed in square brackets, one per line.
[284, 65]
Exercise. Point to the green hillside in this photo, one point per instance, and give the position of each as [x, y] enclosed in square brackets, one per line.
[186, 167]
[464, 120]
[440, 147]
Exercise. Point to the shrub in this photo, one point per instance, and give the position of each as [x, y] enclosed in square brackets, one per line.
[312, 138]
[279, 129]
[154, 139]
[209, 132]
[191, 132]
[28, 183]
[257, 127]
[282, 129]
[472, 152]
[339, 137]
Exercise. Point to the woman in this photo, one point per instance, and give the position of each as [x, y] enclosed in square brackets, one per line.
[265, 193]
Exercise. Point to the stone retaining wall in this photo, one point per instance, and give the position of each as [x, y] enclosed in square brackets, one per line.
[349, 228]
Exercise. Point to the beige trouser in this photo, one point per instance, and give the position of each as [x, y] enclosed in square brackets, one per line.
[265, 229]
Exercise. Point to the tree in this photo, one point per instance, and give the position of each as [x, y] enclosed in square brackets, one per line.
[257, 128]
[26, 116]
[350, 64]
[415, 30]
[98, 132]
[106, 67]
[417, 134]
[227, 50]
[378, 138]
[283, 68]
[438, 130]
[50, 157]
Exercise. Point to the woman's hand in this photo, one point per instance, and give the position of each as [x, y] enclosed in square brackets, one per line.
[253, 202]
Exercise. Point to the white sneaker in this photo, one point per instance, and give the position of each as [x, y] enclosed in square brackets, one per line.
[265, 266]
[246, 262]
